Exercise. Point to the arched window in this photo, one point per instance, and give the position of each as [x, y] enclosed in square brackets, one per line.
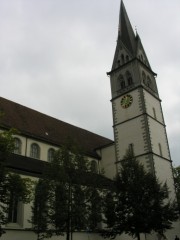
[94, 167]
[35, 151]
[122, 58]
[149, 82]
[17, 146]
[127, 58]
[144, 77]
[51, 153]
[131, 148]
[121, 82]
[121, 78]
[123, 85]
[118, 63]
[129, 78]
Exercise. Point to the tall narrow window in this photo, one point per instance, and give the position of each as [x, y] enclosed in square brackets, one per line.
[123, 85]
[35, 151]
[122, 58]
[121, 82]
[154, 112]
[127, 58]
[13, 209]
[51, 153]
[131, 148]
[118, 63]
[144, 77]
[149, 82]
[160, 149]
[17, 146]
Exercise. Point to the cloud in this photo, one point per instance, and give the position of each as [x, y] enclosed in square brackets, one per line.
[54, 56]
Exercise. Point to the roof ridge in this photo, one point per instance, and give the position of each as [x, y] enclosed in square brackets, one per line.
[48, 116]
[41, 126]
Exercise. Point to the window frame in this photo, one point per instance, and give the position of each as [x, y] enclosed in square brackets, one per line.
[17, 146]
[15, 213]
[50, 155]
[35, 151]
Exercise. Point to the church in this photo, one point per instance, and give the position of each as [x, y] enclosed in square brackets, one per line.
[138, 124]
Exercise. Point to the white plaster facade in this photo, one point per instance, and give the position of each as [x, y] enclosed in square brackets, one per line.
[22, 228]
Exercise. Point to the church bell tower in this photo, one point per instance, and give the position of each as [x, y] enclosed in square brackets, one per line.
[137, 113]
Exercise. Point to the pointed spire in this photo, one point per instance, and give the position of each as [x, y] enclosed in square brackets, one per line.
[128, 42]
[126, 33]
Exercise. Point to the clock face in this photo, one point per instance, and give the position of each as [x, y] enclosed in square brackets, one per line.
[126, 101]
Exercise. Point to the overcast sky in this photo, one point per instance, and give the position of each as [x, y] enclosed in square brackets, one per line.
[54, 55]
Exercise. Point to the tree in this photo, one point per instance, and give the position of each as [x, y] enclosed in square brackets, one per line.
[69, 201]
[12, 186]
[140, 203]
[176, 172]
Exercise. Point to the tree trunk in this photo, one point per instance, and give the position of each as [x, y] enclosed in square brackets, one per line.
[68, 233]
[138, 236]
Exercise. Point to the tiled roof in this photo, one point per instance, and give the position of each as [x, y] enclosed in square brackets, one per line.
[45, 128]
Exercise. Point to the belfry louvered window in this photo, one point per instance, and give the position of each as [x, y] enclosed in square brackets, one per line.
[129, 78]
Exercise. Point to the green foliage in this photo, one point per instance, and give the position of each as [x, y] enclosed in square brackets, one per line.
[20, 188]
[3, 198]
[94, 208]
[11, 185]
[79, 207]
[176, 172]
[141, 203]
[6, 146]
[69, 201]
[110, 209]
[40, 216]
[6, 143]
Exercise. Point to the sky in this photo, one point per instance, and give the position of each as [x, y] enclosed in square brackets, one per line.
[54, 56]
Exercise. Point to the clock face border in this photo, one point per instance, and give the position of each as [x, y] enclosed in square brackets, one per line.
[126, 101]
